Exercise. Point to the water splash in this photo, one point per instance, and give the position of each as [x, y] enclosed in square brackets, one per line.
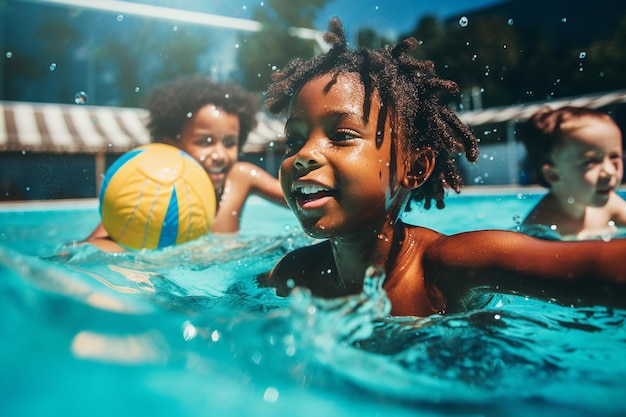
[342, 320]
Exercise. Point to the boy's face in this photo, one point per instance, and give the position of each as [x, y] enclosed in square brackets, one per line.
[211, 136]
[588, 165]
[336, 178]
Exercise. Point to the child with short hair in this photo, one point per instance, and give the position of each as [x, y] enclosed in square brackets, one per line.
[366, 135]
[210, 121]
[576, 153]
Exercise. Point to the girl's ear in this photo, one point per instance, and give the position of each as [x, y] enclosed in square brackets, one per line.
[420, 165]
[550, 174]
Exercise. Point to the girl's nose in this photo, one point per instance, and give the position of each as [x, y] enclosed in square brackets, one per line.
[308, 157]
[217, 153]
[305, 163]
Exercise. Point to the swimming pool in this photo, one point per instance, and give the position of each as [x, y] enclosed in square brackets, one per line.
[187, 332]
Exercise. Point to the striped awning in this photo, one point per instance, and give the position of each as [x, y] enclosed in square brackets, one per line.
[522, 113]
[267, 135]
[59, 128]
[63, 128]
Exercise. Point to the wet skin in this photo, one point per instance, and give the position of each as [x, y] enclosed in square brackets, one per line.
[348, 187]
[211, 136]
[586, 170]
[588, 166]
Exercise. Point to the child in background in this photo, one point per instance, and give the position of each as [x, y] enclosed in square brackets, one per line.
[210, 121]
[577, 154]
[366, 135]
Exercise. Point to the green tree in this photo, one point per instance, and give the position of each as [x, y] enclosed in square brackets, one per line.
[601, 66]
[369, 38]
[480, 56]
[260, 53]
[155, 55]
[180, 54]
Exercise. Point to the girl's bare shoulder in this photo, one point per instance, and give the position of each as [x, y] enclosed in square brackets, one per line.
[296, 267]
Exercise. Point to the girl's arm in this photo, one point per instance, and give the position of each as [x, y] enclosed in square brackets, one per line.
[265, 185]
[510, 261]
[244, 179]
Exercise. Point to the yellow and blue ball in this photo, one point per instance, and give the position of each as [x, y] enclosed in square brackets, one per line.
[156, 196]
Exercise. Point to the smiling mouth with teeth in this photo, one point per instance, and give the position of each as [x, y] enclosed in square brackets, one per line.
[310, 193]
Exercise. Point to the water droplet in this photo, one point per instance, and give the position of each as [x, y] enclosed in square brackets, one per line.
[53, 66]
[256, 357]
[80, 97]
[270, 395]
[120, 17]
[174, 28]
[215, 335]
[9, 54]
[517, 219]
[571, 200]
[510, 22]
[136, 89]
[463, 21]
[189, 331]
[290, 91]
[564, 20]
[582, 55]
[189, 115]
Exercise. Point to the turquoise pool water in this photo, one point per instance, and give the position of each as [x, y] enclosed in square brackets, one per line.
[187, 332]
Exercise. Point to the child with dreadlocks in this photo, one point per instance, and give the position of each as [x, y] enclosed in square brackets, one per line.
[366, 135]
[210, 121]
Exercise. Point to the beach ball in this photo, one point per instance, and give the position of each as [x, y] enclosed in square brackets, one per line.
[156, 196]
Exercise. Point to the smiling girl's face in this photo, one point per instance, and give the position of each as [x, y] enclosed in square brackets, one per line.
[337, 177]
[587, 165]
[211, 137]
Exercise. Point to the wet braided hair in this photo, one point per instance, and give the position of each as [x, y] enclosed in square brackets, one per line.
[171, 103]
[408, 88]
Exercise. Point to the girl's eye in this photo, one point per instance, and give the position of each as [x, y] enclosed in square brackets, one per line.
[230, 142]
[342, 136]
[204, 141]
[293, 142]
